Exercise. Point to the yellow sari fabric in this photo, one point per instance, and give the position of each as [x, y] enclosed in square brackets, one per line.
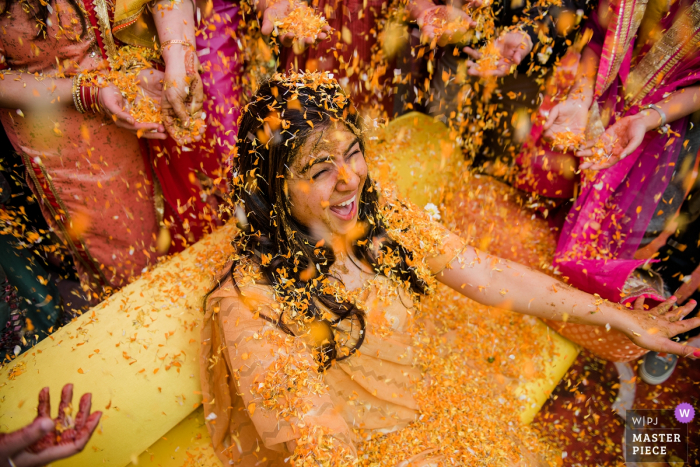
[371, 390]
[133, 23]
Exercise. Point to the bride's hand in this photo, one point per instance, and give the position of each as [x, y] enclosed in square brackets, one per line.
[653, 329]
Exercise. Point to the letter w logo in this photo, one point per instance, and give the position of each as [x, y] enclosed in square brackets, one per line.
[685, 413]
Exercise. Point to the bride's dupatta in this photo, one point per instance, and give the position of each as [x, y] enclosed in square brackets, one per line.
[606, 226]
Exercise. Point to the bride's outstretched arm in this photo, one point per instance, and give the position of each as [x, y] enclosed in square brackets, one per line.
[504, 284]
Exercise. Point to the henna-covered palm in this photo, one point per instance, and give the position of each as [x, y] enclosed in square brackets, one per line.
[183, 96]
[72, 431]
[44, 441]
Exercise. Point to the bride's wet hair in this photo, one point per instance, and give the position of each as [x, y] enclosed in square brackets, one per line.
[272, 130]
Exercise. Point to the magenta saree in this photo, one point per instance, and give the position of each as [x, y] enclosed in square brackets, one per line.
[605, 227]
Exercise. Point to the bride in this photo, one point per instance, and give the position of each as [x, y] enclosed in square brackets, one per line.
[309, 337]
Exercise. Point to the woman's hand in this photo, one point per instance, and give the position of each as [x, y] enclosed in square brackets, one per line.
[278, 11]
[653, 329]
[115, 106]
[618, 142]
[183, 92]
[443, 25]
[151, 82]
[513, 47]
[570, 115]
[45, 440]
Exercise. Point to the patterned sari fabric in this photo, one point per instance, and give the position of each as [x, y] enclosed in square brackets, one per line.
[88, 175]
[610, 218]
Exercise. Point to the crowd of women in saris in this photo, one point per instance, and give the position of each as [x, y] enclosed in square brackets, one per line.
[125, 120]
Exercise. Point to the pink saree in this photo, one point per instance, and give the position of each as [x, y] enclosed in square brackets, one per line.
[604, 229]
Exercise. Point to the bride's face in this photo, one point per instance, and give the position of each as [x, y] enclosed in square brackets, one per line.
[325, 181]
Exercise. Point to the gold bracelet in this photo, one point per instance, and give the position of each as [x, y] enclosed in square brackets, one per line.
[76, 93]
[177, 41]
[78, 90]
[80, 96]
[72, 92]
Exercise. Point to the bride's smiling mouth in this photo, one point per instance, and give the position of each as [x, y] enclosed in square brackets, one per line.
[347, 209]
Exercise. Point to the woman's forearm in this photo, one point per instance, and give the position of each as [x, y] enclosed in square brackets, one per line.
[584, 85]
[174, 22]
[500, 283]
[676, 106]
[29, 93]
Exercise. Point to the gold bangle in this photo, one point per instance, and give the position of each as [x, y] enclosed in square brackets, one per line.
[177, 41]
[76, 93]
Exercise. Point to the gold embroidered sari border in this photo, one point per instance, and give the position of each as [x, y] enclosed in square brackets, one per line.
[669, 51]
[625, 28]
[128, 21]
[102, 14]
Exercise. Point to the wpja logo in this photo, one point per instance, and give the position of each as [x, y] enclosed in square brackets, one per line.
[658, 435]
[685, 413]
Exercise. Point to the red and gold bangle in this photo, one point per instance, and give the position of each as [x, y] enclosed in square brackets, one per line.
[90, 98]
[96, 99]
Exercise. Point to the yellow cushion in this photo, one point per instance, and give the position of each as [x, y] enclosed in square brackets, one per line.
[137, 353]
[416, 154]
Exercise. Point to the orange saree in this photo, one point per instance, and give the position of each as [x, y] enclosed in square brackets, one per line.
[88, 175]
